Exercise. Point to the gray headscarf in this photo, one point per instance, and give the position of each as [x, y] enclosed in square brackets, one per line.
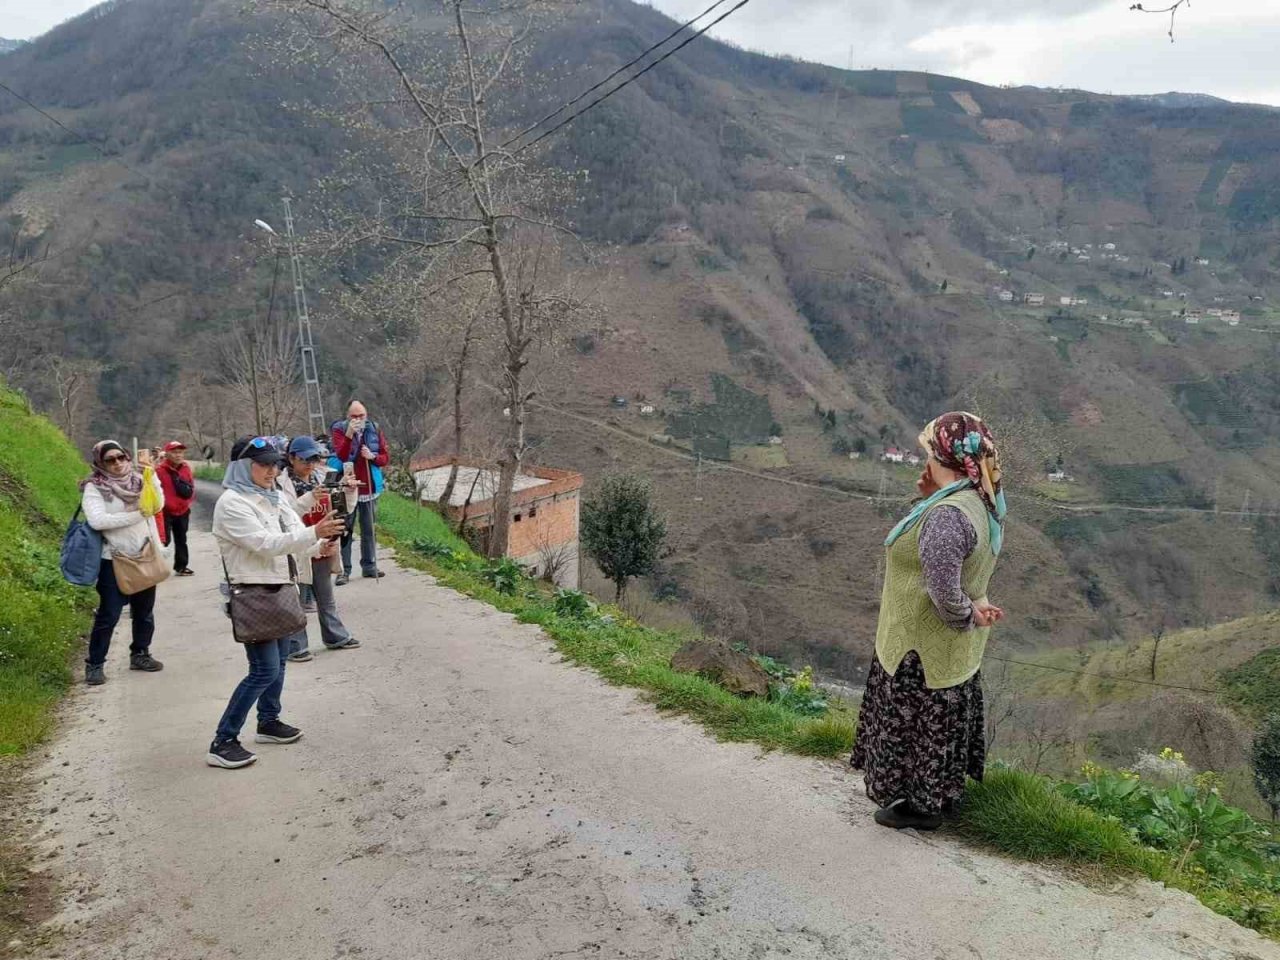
[240, 479]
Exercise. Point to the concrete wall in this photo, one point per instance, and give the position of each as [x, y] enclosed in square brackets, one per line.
[550, 523]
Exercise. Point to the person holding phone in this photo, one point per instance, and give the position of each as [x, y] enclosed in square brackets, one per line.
[360, 449]
[308, 498]
[257, 534]
[111, 500]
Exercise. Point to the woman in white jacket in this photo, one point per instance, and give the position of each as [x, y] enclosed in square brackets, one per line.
[110, 500]
[256, 534]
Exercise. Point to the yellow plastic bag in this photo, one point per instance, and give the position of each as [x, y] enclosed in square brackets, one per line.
[150, 502]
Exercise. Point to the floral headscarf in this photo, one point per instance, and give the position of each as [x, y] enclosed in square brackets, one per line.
[126, 489]
[962, 442]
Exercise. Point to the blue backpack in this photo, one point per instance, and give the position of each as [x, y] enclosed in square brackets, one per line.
[81, 552]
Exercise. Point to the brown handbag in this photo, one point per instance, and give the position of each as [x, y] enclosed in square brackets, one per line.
[265, 612]
[140, 571]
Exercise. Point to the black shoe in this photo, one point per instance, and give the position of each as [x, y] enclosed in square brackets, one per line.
[229, 754]
[94, 675]
[145, 661]
[375, 575]
[277, 731]
[342, 579]
[186, 572]
[902, 817]
[348, 644]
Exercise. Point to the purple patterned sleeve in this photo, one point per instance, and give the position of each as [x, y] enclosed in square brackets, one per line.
[946, 539]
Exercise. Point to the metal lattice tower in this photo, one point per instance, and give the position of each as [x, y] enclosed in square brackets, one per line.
[306, 346]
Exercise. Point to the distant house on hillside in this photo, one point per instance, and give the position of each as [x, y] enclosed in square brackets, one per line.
[1202, 261]
[544, 511]
[618, 401]
[1058, 476]
[893, 455]
[1108, 246]
[1213, 312]
[1231, 317]
[1065, 301]
[1005, 296]
[1033, 299]
[648, 410]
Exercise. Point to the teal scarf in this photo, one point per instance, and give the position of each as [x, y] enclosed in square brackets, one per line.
[995, 526]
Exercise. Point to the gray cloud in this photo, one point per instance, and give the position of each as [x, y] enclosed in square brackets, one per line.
[1036, 42]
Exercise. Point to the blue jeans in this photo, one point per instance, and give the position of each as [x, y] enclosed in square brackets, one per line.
[111, 603]
[364, 516]
[264, 685]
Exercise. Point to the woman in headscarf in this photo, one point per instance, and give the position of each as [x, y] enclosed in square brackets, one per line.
[258, 533]
[110, 501]
[920, 729]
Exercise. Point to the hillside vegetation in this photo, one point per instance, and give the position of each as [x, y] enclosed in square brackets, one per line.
[41, 616]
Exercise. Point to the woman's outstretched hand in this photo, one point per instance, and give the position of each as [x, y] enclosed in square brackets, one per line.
[986, 613]
[331, 526]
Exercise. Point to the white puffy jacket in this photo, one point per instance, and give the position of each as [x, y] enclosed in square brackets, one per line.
[124, 530]
[254, 547]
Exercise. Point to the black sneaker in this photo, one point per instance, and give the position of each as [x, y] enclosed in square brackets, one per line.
[348, 644]
[902, 817]
[342, 579]
[145, 661]
[94, 675]
[277, 731]
[229, 754]
[374, 575]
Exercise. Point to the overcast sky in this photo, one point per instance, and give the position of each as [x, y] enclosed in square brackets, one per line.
[1223, 47]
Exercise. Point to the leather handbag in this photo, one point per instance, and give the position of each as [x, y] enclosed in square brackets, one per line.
[265, 612]
[140, 571]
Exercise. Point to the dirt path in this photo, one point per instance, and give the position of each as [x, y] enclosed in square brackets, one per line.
[463, 793]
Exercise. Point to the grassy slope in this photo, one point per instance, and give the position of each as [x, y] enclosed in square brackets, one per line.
[41, 616]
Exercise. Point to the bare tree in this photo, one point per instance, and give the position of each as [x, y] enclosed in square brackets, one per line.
[1003, 700]
[74, 381]
[554, 559]
[456, 200]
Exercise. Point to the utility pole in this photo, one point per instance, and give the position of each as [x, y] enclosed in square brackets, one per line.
[306, 346]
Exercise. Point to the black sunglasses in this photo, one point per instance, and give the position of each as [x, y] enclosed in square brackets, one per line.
[115, 458]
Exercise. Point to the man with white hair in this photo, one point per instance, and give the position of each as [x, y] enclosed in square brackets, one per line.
[360, 448]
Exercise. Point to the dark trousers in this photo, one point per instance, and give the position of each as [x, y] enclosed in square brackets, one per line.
[263, 685]
[111, 603]
[178, 524]
[364, 516]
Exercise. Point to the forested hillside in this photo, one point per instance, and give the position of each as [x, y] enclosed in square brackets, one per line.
[800, 265]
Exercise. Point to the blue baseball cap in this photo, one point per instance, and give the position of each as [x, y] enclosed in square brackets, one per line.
[306, 448]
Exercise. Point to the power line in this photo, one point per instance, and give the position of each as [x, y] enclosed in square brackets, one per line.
[626, 66]
[1104, 676]
[634, 77]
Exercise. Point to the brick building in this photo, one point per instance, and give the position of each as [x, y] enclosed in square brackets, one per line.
[545, 506]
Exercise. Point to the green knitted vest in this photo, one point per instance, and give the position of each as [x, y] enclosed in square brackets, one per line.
[908, 620]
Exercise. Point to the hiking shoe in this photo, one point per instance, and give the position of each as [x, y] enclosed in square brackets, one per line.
[902, 817]
[301, 656]
[375, 575]
[276, 731]
[186, 572]
[94, 674]
[229, 754]
[342, 579]
[145, 661]
[348, 644]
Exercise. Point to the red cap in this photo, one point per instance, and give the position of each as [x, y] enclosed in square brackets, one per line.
[174, 445]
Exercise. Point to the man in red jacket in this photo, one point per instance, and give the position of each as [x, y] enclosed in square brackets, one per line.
[179, 493]
[358, 442]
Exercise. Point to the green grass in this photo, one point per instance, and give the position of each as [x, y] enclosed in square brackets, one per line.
[41, 616]
[1254, 686]
[1023, 815]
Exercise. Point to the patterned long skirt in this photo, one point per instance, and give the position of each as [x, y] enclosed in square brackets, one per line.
[917, 744]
